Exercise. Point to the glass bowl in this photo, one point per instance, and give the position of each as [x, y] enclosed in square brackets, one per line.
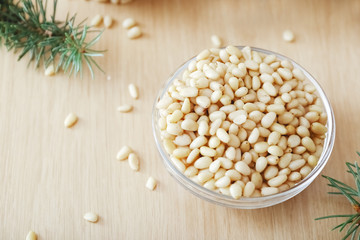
[244, 202]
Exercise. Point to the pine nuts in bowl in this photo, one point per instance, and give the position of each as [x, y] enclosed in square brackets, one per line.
[243, 127]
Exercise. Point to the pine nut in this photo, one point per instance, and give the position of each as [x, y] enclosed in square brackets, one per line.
[204, 176]
[223, 182]
[108, 21]
[206, 151]
[266, 191]
[134, 32]
[96, 21]
[308, 143]
[249, 189]
[233, 175]
[189, 125]
[125, 108]
[275, 150]
[31, 236]
[243, 168]
[91, 217]
[50, 70]
[151, 183]
[202, 163]
[304, 171]
[124, 153]
[294, 176]
[270, 172]
[261, 147]
[268, 119]
[296, 164]
[261, 164]
[288, 36]
[277, 181]
[191, 171]
[198, 142]
[70, 120]
[236, 190]
[134, 162]
[128, 23]
[285, 160]
[318, 128]
[133, 90]
[178, 164]
[216, 41]
[222, 135]
[256, 178]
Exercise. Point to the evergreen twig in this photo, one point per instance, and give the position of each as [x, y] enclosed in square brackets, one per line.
[26, 26]
[352, 222]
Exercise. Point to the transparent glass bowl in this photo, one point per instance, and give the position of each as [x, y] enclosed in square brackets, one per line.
[247, 203]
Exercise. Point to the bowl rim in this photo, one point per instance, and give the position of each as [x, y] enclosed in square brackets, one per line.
[245, 202]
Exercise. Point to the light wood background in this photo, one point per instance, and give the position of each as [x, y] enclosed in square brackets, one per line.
[50, 176]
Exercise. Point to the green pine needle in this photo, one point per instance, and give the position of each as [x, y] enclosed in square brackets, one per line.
[26, 27]
[352, 222]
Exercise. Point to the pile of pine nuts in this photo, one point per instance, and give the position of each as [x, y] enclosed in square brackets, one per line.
[242, 123]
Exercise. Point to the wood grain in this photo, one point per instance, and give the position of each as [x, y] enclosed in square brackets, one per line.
[50, 176]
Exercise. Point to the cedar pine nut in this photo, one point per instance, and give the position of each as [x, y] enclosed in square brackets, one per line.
[203, 162]
[223, 182]
[50, 70]
[243, 168]
[288, 36]
[277, 181]
[268, 119]
[70, 120]
[97, 20]
[32, 235]
[249, 189]
[124, 153]
[296, 164]
[270, 172]
[134, 162]
[261, 164]
[91, 217]
[236, 190]
[134, 32]
[233, 175]
[108, 21]
[128, 23]
[265, 191]
[191, 171]
[151, 183]
[275, 150]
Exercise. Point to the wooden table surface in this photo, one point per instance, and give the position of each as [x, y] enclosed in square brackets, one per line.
[50, 176]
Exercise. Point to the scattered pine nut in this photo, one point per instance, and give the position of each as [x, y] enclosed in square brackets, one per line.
[97, 20]
[134, 162]
[124, 153]
[128, 23]
[133, 90]
[115, 1]
[108, 21]
[31, 236]
[134, 32]
[70, 120]
[216, 41]
[288, 36]
[91, 217]
[151, 183]
[125, 108]
[50, 70]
